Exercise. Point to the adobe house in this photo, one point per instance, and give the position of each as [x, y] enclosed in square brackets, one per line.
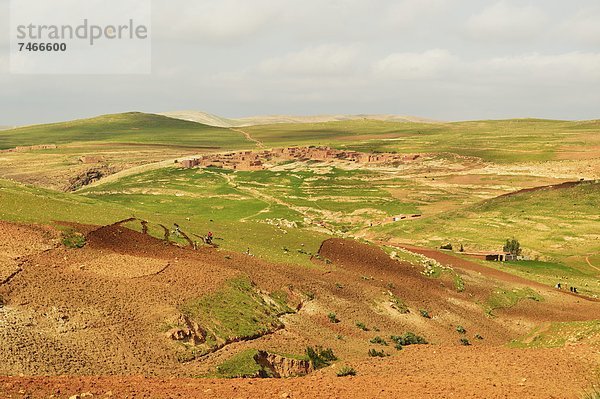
[190, 163]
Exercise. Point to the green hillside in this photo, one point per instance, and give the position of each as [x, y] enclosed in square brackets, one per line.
[210, 206]
[132, 127]
[561, 224]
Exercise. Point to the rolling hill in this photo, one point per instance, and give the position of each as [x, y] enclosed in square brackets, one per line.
[559, 224]
[131, 127]
[214, 120]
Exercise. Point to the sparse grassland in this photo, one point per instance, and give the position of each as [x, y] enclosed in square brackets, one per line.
[557, 334]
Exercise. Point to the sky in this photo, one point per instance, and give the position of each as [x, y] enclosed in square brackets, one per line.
[439, 59]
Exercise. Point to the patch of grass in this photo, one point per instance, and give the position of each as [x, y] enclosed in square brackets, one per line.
[502, 299]
[558, 334]
[346, 371]
[241, 365]
[237, 311]
[333, 318]
[72, 239]
[362, 326]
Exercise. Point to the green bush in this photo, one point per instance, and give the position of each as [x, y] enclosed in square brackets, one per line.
[447, 246]
[461, 330]
[465, 342]
[425, 313]
[320, 357]
[333, 317]
[72, 239]
[346, 371]
[408, 338]
[376, 353]
[362, 326]
[378, 340]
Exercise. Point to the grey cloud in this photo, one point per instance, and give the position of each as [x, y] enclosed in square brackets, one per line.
[507, 21]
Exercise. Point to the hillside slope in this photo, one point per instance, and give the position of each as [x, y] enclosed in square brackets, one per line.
[550, 223]
[132, 127]
[215, 120]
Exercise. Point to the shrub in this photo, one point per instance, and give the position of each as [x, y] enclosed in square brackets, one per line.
[310, 295]
[398, 304]
[465, 342]
[425, 313]
[339, 286]
[378, 340]
[346, 371]
[362, 326]
[408, 338]
[447, 246]
[376, 353]
[477, 336]
[333, 317]
[461, 330]
[72, 239]
[320, 357]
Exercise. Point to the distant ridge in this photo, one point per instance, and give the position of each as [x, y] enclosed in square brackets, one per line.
[215, 120]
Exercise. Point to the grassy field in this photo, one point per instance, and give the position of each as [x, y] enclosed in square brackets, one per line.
[560, 225]
[506, 141]
[131, 127]
[23, 203]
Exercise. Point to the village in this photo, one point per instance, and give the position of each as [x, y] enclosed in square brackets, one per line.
[257, 160]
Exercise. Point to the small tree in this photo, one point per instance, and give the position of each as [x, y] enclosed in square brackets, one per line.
[513, 247]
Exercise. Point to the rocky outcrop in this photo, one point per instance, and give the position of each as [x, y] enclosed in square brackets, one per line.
[278, 366]
[88, 177]
[192, 332]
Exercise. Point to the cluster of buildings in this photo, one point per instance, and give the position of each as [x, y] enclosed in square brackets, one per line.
[250, 160]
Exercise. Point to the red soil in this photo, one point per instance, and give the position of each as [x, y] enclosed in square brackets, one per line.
[69, 325]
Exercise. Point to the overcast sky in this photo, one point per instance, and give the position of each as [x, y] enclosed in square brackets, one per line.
[442, 59]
